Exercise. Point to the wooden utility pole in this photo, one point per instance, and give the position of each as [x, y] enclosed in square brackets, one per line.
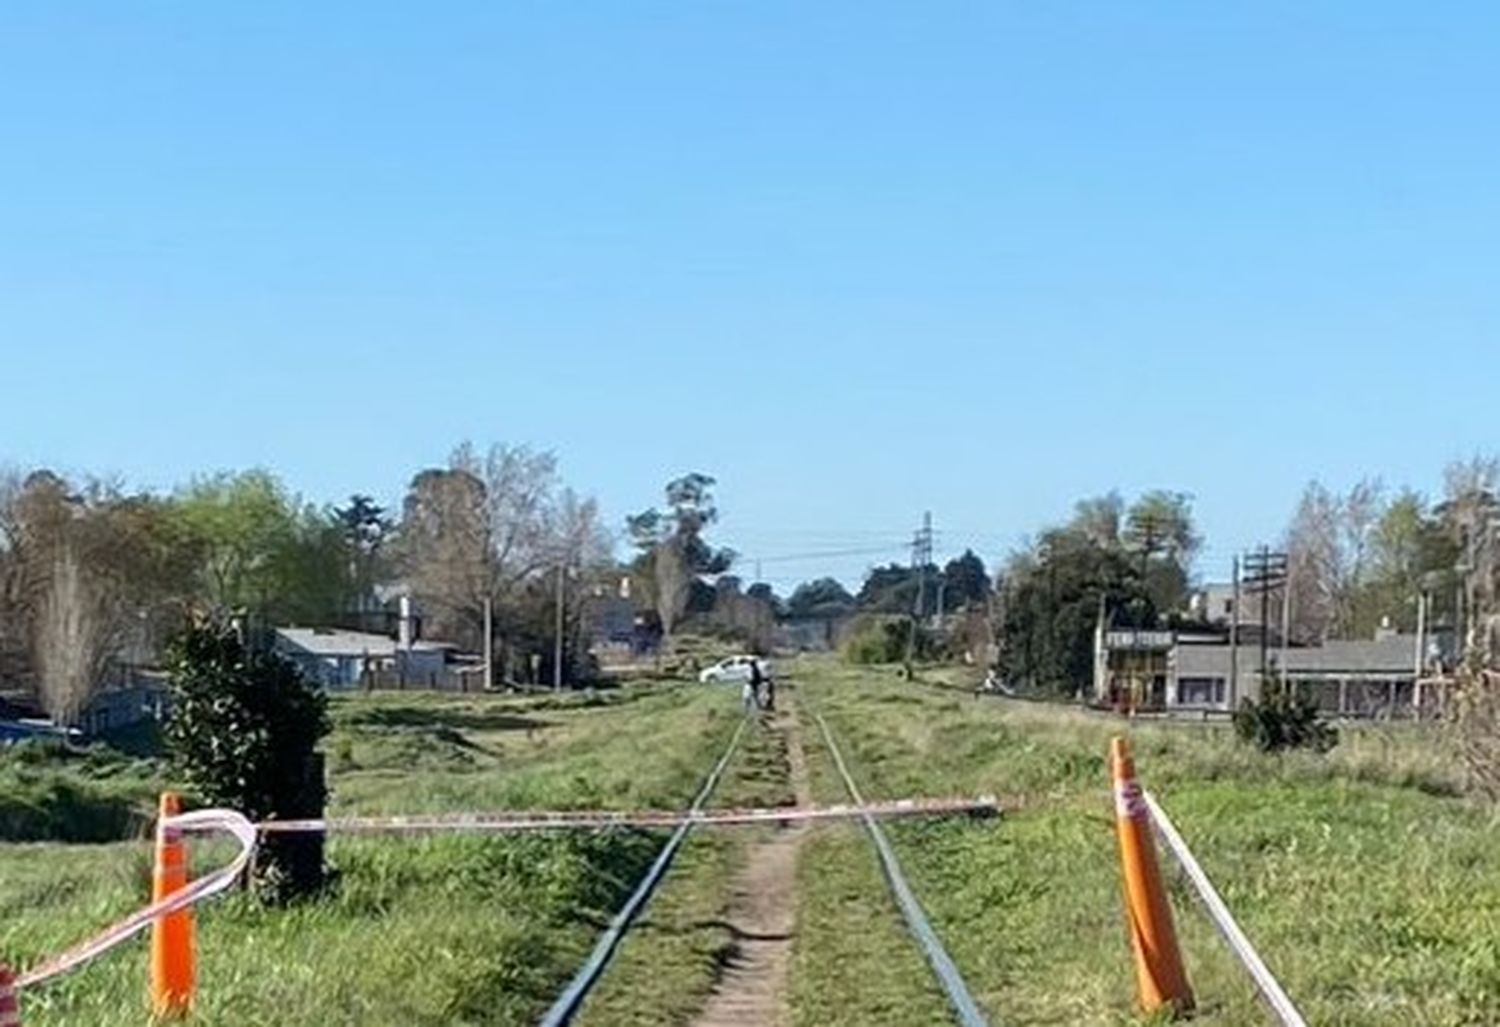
[489, 645]
[1265, 570]
[1286, 626]
[557, 633]
[1419, 658]
[1234, 639]
[1265, 610]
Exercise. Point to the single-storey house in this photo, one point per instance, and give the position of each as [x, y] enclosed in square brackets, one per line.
[1166, 670]
[338, 659]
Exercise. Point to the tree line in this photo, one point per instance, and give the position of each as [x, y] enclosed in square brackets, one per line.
[95, 577]
[1371, 555]
[1356, 561]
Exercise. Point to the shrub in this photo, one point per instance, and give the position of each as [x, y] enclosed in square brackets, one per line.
[244, 731]
[1474, 721]
[1281, 720]
[884, 640]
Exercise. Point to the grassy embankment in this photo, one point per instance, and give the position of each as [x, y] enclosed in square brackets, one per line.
[1371, 888]
[436, 930]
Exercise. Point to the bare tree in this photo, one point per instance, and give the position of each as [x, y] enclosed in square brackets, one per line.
[1471, 511]
[520, 510]
[444, 551]
[81, 570]
[673, 581]
[14, 657]
[1330, 545]
[579, 533]
[73, 636]
[494, 527]
[586, 556]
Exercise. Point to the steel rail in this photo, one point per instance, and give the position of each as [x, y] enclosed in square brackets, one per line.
[567, 1004]
[965, 1009]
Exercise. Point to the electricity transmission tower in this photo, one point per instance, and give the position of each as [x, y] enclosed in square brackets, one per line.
[921, 559]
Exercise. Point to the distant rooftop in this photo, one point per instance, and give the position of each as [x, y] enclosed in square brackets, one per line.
[337, 642]
[1393, 654]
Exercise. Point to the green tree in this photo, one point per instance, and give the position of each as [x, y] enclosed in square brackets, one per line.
[1159, 529]
[893, 589]
[365, 528]
[764, 593]
[243, 731]
[674, 554]
[965, 581]
[1410, 553]
[823, 598]
[240, 523]
[261, 551]
[1053, 597]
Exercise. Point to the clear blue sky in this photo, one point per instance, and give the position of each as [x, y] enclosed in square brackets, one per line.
[857, 259]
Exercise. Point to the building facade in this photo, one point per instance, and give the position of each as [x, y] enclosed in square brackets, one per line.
[1169, 670]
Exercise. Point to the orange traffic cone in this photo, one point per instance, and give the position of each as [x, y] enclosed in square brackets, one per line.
[10, 1005]
[173, 955]
[1160, 979]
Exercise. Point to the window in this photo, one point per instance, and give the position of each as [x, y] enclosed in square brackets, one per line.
[1200, 691]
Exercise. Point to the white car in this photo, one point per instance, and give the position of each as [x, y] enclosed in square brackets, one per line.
[733, 669]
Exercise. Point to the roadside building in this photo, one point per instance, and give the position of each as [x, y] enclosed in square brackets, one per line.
[1213, 603]
[134, 695]
[1169, 670]
[337, 659]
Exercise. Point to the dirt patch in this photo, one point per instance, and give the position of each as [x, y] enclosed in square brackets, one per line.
[763, 911]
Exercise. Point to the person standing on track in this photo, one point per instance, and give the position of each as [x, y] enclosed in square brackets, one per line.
[753, 686]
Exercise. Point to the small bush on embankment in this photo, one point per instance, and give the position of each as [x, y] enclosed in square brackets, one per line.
[1281, 721]
[886, 639]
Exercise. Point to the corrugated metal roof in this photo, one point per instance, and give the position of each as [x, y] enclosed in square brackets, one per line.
[335, 642]
[1393, 655]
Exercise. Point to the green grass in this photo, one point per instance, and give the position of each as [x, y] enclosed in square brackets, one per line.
[1371, 886]
[669, 962]
[852, 960]
[52, 792]
[1371, 891]
[440, 930]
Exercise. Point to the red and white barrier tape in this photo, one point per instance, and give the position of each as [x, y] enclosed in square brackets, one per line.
[246, 834]
[550, 820]
[199, 821]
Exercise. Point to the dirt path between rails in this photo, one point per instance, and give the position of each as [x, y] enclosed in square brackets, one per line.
[763, 909]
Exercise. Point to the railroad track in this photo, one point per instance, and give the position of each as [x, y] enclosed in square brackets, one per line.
[966, 1011]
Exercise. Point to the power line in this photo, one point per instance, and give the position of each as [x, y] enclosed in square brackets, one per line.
[824, 554]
